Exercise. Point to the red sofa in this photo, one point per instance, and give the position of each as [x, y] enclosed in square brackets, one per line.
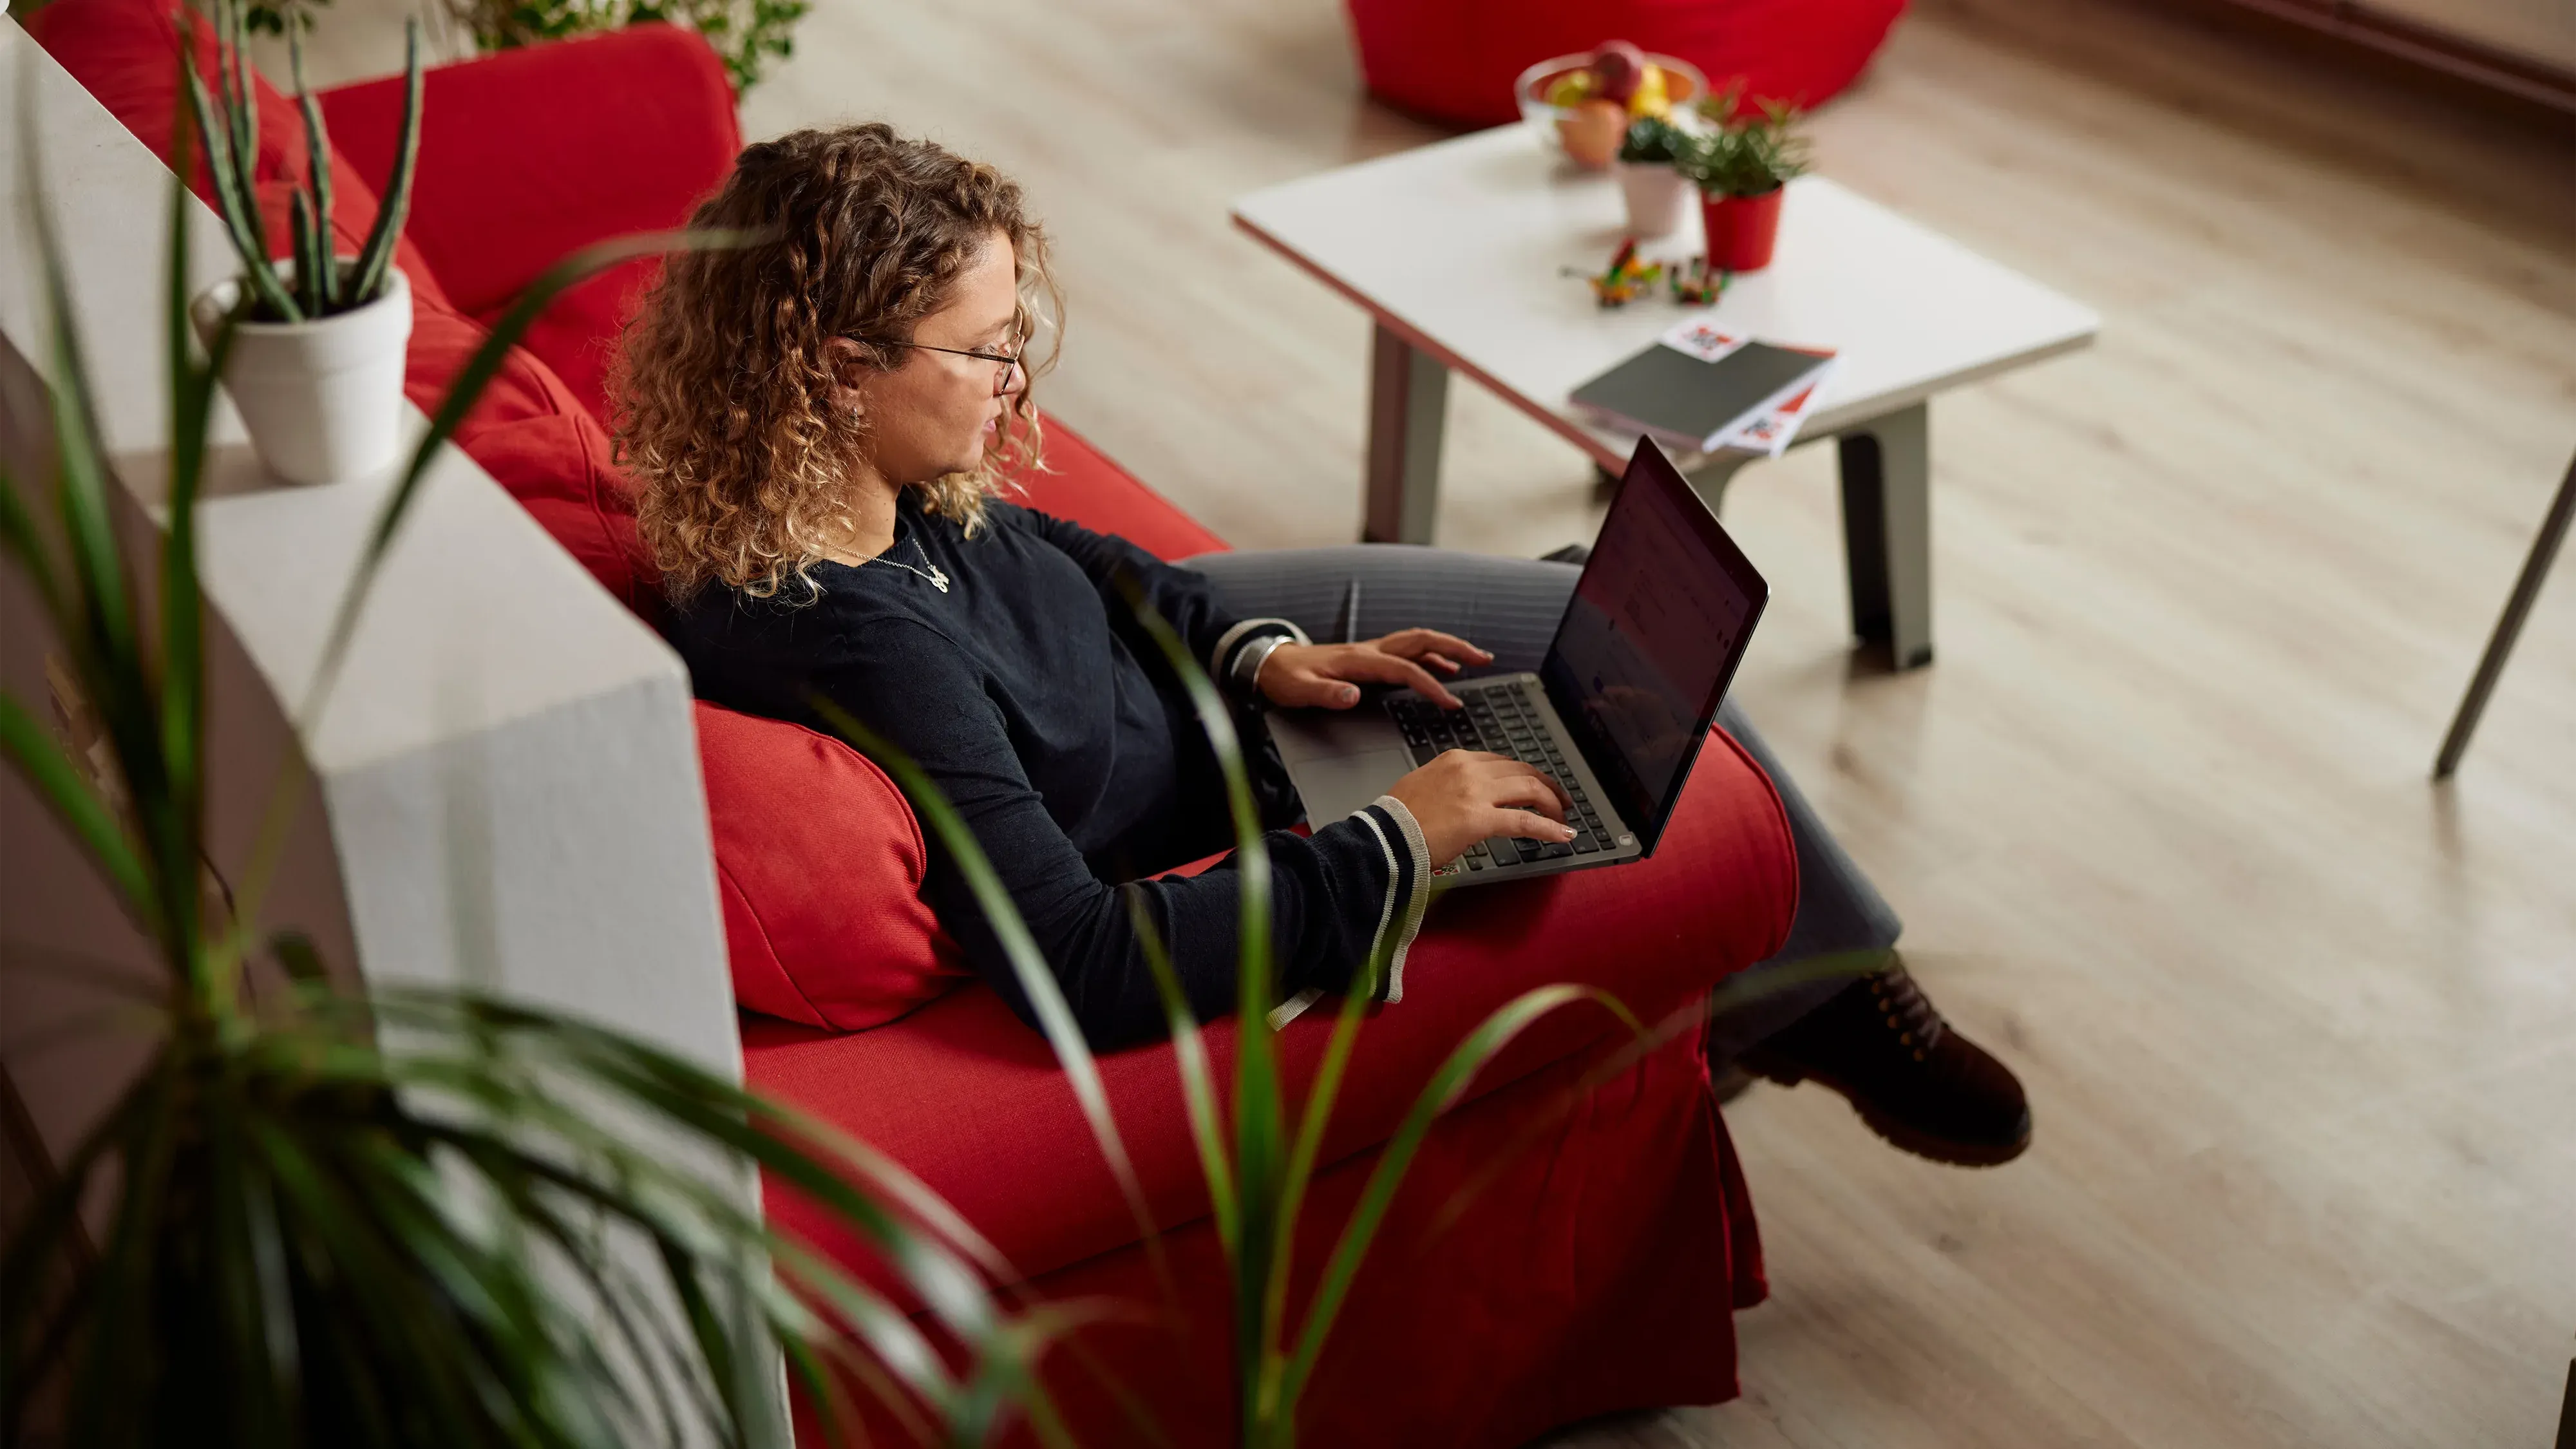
[1609, 1238]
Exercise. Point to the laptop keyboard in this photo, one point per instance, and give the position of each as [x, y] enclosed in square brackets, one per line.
[1501, 720]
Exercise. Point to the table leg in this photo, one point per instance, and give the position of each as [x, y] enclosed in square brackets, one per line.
[2517, 608]
[1408, 409]
[1887, 531]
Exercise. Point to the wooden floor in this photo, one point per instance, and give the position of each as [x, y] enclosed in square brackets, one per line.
[2299, 1028]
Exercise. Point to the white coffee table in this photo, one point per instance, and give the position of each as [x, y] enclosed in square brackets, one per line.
[1455, 250]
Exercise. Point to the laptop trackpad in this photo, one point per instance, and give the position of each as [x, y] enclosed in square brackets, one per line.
[1342, 784]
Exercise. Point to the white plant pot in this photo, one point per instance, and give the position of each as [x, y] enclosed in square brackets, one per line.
[323, 399]
[1658, 196]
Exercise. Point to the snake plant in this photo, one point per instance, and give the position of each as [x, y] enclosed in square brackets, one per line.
[326, 1215]
[317, 285]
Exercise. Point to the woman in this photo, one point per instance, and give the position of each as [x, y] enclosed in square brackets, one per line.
[820, 424]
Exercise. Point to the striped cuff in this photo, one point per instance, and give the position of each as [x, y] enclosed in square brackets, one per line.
[1241, 650]
[1408, 888]
[1399, 917]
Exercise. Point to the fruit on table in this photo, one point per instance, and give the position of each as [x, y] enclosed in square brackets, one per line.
[1618, 73]
[1592, 133]
[1618, 66]
[1651, 97]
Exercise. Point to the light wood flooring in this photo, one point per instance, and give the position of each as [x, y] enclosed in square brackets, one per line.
[2299, 1027]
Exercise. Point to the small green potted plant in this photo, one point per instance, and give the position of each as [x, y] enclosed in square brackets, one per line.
[1743, 166]
[1656, 193]
[316, 368]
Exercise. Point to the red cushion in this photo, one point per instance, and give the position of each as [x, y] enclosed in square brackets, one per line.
[515, 173]
[819, 862]
[542, 446]
[971, 1100]
[1456, 59]
[523, 163]
[121, 51]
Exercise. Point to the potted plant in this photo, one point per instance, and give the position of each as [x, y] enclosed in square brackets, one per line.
[316, 368]
[1742, 167]
[1655, 191]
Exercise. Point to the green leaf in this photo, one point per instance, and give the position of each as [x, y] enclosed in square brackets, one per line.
[255, 1338]
[192, 393]
[19, 537]
[65, 790]
[105, 650]
[317, 150]
[1311, 1122]
[1396, 1158]
[234, 194]
[49, 1238]
[448, 1382]
[1259, 1126]
[308, 251]
[1028, 965]
[126, 1273]
[1198, 1081]
[296, 953]
[376, 257]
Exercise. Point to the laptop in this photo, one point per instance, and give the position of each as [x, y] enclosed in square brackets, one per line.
[1616, 713]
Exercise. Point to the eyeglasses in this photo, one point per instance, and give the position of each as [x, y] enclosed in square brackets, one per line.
[1004, 360]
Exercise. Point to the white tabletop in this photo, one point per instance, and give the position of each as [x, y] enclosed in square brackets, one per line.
[1458, 247]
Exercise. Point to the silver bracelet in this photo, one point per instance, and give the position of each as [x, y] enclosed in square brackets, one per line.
[1247, 664]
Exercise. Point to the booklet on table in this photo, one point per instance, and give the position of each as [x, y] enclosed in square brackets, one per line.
[1706, 388]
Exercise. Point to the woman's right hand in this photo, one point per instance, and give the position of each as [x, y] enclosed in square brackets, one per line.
[1468, 795]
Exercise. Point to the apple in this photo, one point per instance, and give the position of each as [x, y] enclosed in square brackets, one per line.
[1617, 67]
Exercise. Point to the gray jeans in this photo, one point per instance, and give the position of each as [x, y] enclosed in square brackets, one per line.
[1511, 606]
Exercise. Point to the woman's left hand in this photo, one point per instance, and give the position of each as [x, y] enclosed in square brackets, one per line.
[1329, 675]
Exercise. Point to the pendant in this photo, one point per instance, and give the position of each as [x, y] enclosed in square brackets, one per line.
[939, 578]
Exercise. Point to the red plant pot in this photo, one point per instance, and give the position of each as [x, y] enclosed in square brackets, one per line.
[1741, 229]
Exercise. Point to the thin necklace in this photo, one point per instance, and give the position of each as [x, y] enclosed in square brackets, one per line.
[938, 576]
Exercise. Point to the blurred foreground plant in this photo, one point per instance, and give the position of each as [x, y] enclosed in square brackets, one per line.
[432, 1218]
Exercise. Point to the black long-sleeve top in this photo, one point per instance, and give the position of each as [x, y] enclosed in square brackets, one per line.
[1030, 696]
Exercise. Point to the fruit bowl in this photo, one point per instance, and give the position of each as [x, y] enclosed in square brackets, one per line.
[1682, 85]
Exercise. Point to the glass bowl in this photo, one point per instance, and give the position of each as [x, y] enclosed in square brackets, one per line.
[1683, 87]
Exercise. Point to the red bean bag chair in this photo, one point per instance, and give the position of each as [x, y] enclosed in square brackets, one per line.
[1455, 60]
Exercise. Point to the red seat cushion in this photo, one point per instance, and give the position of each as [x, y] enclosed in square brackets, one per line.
[1456, 59]
[522, 165]
[972, 1101]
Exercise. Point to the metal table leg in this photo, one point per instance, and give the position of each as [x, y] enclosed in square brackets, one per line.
[1408, 409]
[2517, 608]
[1887, 531]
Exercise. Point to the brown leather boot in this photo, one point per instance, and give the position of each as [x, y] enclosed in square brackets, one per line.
[1916, 1082]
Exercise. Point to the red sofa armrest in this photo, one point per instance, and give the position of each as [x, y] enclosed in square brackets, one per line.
[528, 154]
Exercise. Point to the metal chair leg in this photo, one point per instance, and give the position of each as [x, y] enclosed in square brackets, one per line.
[2526, 590]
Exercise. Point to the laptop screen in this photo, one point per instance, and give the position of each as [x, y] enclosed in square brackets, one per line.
[1655, 629]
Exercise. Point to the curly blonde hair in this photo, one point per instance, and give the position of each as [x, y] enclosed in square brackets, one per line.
[723, 380]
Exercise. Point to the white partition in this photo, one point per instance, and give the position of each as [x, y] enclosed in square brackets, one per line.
[508, 786]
